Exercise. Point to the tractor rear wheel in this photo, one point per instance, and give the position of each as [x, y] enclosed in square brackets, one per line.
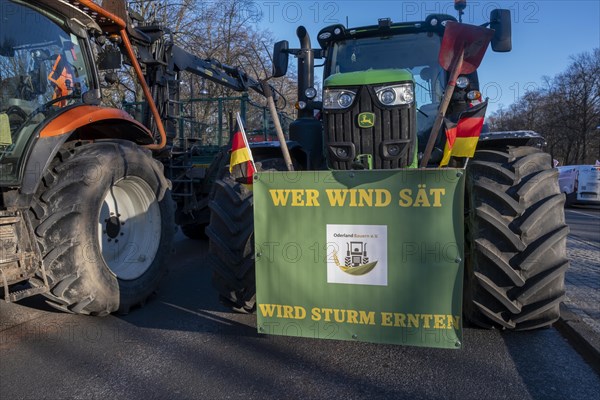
[103, 219]
[231, 239]
[515, 240]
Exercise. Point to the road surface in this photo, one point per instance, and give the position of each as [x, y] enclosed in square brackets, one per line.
[185, 345]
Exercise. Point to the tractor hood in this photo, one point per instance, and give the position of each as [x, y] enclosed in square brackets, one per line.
[369, 77]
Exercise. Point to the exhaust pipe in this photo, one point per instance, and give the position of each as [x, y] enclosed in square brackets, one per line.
[306, 68]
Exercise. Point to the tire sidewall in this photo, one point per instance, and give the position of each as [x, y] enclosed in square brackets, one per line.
[81, 280]
[132, 163]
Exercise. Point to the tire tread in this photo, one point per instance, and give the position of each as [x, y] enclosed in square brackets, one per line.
[516, 240]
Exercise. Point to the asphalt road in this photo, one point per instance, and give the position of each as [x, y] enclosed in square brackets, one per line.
[584, 223]
[184, 345]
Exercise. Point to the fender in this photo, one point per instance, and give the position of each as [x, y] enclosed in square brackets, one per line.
[263, 150]
[510, 138]
[81, 122]
[90, 122]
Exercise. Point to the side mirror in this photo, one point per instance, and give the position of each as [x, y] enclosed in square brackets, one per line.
[109, 59]
[501, 24]
[280, 58]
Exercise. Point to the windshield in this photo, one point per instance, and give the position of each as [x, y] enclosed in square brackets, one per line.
[42, 69]
[415, 52]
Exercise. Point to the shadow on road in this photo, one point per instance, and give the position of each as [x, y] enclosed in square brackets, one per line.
[533, 351]
[186, 299]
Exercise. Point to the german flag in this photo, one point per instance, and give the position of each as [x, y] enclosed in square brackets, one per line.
[462, 136]
[241, 164]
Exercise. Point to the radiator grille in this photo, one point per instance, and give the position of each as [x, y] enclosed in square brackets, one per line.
[389, 141]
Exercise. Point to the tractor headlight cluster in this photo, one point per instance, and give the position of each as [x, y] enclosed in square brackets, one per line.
[337, 99]
[395, 95]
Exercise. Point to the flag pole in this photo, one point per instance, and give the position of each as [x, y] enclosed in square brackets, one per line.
[243, 131]
[284, 149]
[456, 67]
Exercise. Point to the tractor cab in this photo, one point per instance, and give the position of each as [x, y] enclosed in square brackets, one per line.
[390, 74]
[44, 70]
[383, 86]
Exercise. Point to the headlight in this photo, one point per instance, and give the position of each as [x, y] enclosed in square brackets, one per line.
[462, 82]
[395, 95]
[336, 99]
[387, 97]
[474, 95]
[324, 35]
[310, 93]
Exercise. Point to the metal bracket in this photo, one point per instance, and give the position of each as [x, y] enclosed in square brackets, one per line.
[21, 294]
[363, 161]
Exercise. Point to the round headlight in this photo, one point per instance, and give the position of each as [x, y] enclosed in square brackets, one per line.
[393, 150]
[337, 31]
[462, 82]
[310, 93]
[341, 152]
[345, 100]
[474, 95]
[407, 95]
[387, 97]
[325, 35]
[434, 21]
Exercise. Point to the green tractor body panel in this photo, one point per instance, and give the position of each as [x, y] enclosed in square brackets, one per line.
[369, 77]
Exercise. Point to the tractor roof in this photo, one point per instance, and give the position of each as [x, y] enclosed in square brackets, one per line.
[385, 27]
[69, 9]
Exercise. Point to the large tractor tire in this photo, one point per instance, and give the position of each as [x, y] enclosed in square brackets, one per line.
[103, 219]
[231, 239]
[515, 240]
[217, 170]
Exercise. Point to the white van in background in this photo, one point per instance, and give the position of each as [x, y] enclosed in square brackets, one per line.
[581, 184]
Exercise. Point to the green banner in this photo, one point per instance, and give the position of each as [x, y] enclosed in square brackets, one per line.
[372, 256]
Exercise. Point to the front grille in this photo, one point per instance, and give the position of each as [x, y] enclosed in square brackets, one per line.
[390, 141]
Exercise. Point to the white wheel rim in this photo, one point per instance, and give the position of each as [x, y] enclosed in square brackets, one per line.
[129, 228]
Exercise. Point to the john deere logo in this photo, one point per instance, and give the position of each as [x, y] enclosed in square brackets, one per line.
[366, 120]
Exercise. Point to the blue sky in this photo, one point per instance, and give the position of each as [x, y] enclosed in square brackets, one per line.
[545, 33]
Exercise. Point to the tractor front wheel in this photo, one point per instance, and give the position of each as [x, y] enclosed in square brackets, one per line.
[515, 240]
[231, 239]
[103, 219]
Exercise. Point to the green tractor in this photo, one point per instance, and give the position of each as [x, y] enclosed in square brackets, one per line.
[386, 88]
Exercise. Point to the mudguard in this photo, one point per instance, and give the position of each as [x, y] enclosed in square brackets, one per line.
[510, 138]
[264, 150]
[82, 122]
